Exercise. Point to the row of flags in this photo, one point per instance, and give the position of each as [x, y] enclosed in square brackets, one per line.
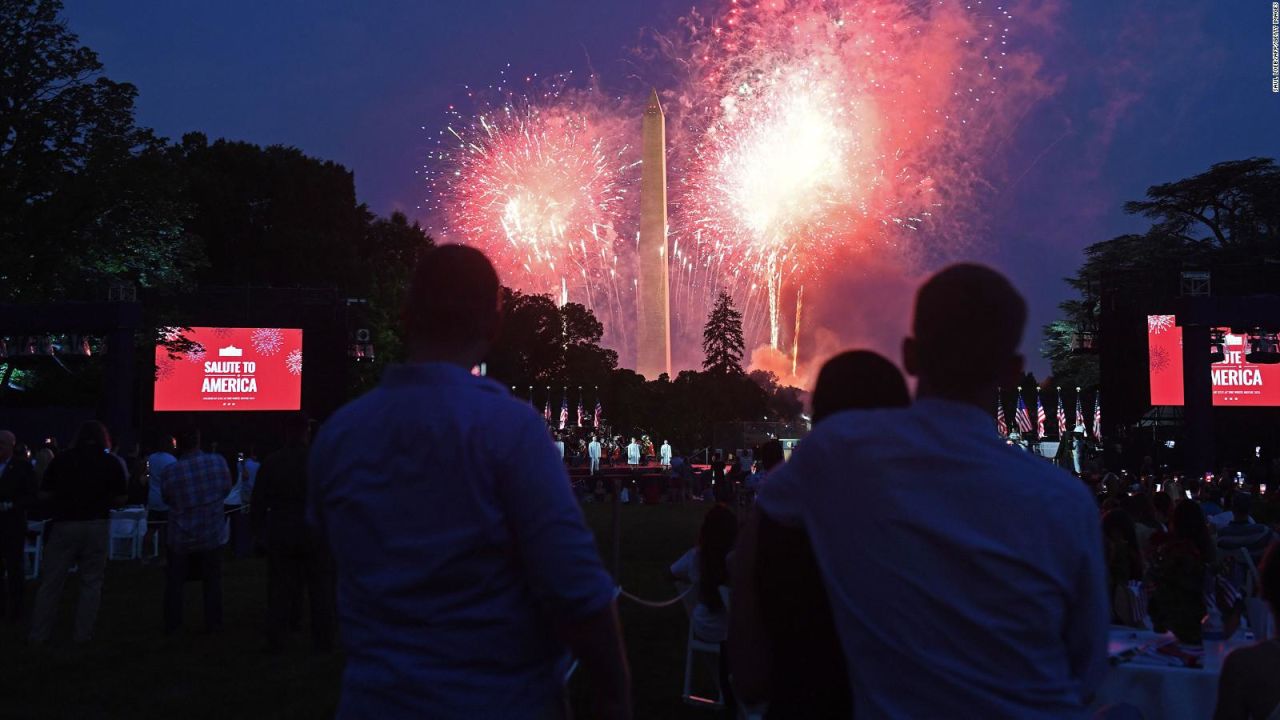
[1022, 418]
[596, 416]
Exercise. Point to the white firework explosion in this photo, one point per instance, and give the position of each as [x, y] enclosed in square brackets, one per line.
[267, 341]
[1157, 324]
[293, 361]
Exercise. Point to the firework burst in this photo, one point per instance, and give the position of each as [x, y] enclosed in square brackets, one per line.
[538, 182]
[267, 341]
[293, 362]
[1157, 324]
[829, 128]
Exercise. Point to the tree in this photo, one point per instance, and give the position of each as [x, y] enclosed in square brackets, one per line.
[1225, 217]
[722, 341]
[87, 198]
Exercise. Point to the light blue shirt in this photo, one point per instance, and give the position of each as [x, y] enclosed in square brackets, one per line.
[457, 541]
[966, 577]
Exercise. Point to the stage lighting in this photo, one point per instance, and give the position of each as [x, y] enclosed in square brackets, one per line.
[1264, 347]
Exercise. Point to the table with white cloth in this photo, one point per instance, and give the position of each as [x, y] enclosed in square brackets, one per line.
[1162, 690]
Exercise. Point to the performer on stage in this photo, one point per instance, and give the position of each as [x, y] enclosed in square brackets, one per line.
[1077, 447]
[593, 454]
[665, 454]
[633, 453]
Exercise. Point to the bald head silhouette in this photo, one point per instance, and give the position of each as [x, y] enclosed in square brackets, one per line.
[965, 333]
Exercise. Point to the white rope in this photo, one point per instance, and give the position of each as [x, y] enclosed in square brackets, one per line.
[652, 604]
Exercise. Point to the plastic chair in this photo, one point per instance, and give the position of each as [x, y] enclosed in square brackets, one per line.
[696, 645]
[127, 530]
[33, 549]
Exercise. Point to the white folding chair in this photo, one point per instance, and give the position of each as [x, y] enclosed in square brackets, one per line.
[33, 550]
[695, 645]
[126, 537]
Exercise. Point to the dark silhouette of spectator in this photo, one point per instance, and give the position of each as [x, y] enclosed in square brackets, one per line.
[17, 493]
[804, 668]
[81, 485]
[297, 558]
[194, 488]
[465, 570]
[1250, 683]
[922, 521]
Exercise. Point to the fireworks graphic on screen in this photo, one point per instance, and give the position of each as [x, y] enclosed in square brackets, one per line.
[267, 341]
[1159, 359]
[222, 332]
[1157, 324]
[164, 370]
[293, 362]
[196, 354]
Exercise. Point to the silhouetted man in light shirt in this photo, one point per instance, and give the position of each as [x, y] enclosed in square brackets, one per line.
[966, 577]
[466, 573]
[593, 453]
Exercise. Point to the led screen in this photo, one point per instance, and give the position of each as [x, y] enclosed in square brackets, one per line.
[230, 369]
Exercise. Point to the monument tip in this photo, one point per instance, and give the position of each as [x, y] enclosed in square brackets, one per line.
[654, 104]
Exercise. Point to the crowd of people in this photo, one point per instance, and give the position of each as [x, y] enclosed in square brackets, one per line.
[199, 512]
[905, 561]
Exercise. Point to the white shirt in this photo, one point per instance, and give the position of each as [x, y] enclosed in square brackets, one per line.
[633, 454]
[968, 573]
[593, 450]
[666, 454]
[155, 463]
[560, 448]
[708, 625]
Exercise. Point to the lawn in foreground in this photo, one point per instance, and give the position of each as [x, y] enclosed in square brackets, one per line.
[131, 670]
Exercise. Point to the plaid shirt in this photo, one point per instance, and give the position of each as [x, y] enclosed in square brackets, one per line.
[194, 488]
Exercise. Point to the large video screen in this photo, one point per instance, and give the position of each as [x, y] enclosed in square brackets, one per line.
[229, 369]
[1236, 383]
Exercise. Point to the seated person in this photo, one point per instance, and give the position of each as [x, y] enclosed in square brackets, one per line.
[803, 668]
[1250, 683]
[706, 568]
[1242, 531]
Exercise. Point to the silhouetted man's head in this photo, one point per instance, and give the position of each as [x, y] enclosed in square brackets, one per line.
[453, 309]
[968, 323]
[857, 380]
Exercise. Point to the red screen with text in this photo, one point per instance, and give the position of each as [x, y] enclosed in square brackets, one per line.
[1236, 383]
[208, 368]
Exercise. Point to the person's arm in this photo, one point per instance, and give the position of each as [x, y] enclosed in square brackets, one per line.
[560, 561]
[1089, 610]
[749, 647]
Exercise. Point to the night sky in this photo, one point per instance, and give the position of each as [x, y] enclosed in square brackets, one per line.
[1144, 92]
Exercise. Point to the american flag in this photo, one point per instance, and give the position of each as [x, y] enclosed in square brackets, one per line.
[1040, 418]
[1021, 417]
[564, 413]
[1062, 417]
[580, 412]
[1001, 426]
[1075, 412]
[1097, 417]
[546, 410]
[599, 415]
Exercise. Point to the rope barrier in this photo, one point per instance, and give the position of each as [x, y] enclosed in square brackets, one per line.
[652, 604]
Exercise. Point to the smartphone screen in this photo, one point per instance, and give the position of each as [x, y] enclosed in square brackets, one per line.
[1187, 493]
[1159, 487]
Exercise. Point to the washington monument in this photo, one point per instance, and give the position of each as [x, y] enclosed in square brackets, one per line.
[653, 311]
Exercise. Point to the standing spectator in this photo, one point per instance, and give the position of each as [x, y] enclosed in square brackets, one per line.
[160, 457]
[1242, 531]
[17, 493]
[952, 587]
[466, 573]
[81, 485]
[235, 504]
[297, 558]
[194, 488]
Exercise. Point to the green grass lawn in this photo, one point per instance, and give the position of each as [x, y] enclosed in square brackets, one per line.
[131, 671]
